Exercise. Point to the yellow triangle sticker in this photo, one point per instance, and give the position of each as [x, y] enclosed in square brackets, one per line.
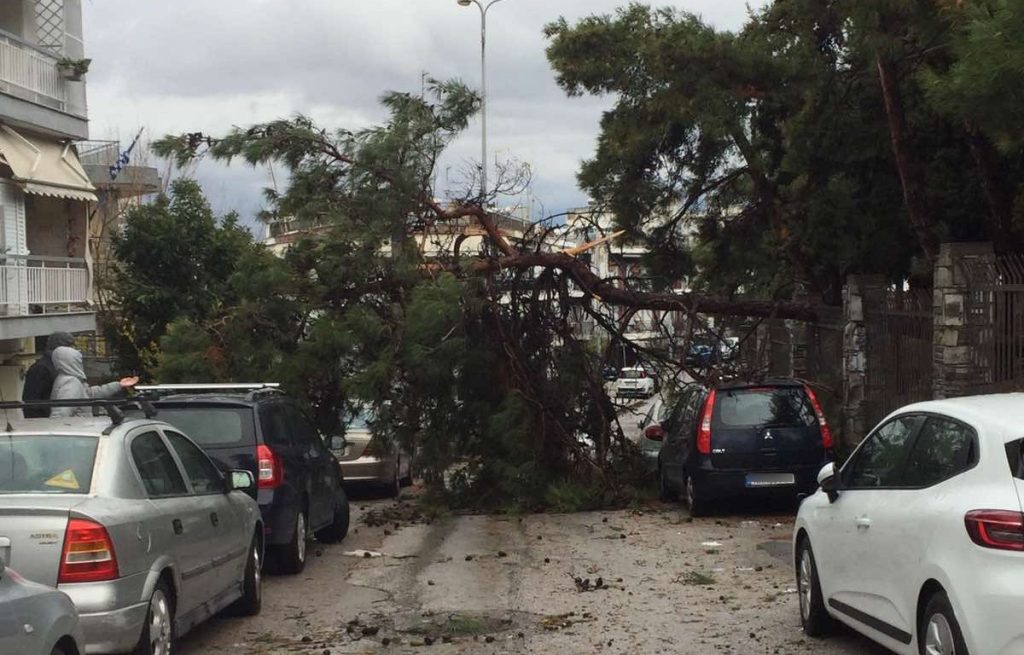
[65, 480]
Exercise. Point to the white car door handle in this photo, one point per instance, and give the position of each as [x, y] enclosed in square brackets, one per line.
[863, 522]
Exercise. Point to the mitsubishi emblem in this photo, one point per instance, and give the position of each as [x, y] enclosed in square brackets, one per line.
[768, 435]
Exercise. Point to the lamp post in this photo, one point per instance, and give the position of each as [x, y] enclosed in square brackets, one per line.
[483, 87]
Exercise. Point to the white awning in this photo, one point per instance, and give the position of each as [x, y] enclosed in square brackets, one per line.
[43, 167]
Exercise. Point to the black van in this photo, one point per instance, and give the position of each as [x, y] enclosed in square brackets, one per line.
[742, 438]
[260, 429]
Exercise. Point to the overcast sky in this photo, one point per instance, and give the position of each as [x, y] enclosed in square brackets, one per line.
[205, 65]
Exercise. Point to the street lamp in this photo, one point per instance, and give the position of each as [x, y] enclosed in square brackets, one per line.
[483, 87]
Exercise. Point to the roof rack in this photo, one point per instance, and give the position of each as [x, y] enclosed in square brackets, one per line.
[214, 386]
[115, 408]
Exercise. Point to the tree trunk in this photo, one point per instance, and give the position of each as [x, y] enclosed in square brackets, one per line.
[909, 171]
[1000, 203]
[607, 292]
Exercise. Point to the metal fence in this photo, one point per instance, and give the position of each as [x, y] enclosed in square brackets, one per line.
[995, 314]
[900, 329]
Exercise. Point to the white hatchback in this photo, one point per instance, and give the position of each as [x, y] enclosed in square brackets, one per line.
[634, 382]
[918, 542]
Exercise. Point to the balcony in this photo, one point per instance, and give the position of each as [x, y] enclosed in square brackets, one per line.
[31, 73]
[39, 295]
[34, 95]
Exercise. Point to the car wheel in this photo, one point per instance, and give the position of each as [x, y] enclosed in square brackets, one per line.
[813, 615]
[694, 500]
[664, 490]
[158, 636]
[58, 650]
[338, 528]
[939, 632]
[291, 558]
[252, 583]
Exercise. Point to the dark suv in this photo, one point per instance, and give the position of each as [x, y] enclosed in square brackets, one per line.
[742, 438]
[262, 430]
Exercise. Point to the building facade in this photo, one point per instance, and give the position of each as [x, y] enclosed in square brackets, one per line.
[45, 194]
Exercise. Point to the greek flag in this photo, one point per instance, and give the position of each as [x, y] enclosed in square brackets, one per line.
[123, 158]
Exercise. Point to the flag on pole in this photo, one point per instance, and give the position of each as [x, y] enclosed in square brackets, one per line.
[124, 157]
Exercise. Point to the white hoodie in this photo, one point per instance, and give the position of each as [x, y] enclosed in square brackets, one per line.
[70, 383]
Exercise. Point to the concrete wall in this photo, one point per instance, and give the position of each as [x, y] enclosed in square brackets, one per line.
[55, 227]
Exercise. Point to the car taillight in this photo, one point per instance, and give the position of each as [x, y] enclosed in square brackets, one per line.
[270, 471]
[993, 528]
[704, 433]
[826, 432]
[88, 554]
[370, 449]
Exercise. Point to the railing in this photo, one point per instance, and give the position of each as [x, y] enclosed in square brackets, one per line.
[54, 283]
[100, 153]
[31, 73]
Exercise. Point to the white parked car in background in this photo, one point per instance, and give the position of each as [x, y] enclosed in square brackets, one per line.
[918, 542]
[634, 382]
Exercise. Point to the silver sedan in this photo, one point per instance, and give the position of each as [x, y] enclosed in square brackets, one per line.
[36, 620]
[132, 521]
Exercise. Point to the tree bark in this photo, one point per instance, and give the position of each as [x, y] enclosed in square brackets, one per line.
[909, 171]
[1000, 203]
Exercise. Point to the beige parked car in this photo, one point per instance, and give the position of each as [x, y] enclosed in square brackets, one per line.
[364, 458]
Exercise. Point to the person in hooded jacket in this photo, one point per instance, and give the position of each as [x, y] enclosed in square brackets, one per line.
[70, 383]
[39, 378]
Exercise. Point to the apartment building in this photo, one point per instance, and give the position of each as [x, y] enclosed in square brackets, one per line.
[45, 194]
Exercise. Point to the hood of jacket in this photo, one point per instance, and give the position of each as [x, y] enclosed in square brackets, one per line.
[58, 339]
[68, 361]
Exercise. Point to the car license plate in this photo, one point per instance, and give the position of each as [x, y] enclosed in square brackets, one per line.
[759, 480]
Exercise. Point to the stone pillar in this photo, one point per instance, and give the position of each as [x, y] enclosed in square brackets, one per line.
[862, 366]
[955, 340]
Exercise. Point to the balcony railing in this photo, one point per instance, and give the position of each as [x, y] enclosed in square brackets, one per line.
[51, 283]
[30, 73]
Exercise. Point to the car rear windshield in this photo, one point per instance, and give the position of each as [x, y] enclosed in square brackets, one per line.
[212, 427]
[46, 464]
[632, 374]
[763, 407]
[1015, 456]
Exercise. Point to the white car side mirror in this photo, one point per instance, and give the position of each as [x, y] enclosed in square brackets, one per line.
[826, 472]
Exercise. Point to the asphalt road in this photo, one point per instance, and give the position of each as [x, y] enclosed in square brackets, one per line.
[633, 582]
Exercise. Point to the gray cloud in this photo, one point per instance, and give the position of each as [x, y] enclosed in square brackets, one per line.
[210, 64]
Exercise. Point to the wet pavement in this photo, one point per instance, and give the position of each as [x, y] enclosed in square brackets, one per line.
[641, 581]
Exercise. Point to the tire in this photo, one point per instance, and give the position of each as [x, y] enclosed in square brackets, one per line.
[291, 557]
[158, 637]
[338, 528]
[697, 505]
[251, 601]
[664, 490]
[58, 650]
[813, 616]
[939, 631]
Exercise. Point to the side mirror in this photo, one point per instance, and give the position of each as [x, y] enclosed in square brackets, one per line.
[829, 481]
[337, 443]
[654, 433]
[241, 480]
